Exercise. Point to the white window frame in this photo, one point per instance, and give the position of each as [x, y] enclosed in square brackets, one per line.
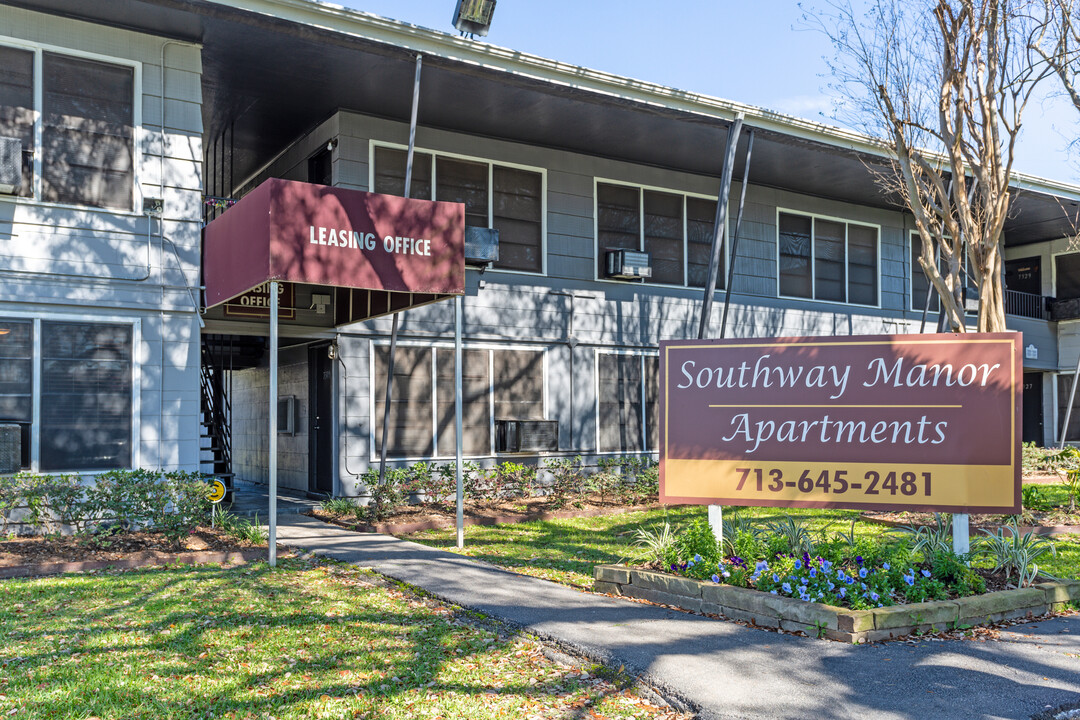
[435, 154]
[814, 217]
[641, 354]
[374, 393]
[39, 98]
[599, 277]
[136, 380]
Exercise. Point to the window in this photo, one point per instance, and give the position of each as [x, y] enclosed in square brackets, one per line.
[676, 230]
[920, 283]
[1064, 387]
[17, 378]
[17, 108]
[1067, 276]
[824, 259]
[627, 404]
[85, 403]
[509, 199]
[87, 126]
[497, 383]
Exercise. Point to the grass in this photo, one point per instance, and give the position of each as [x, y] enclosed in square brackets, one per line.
[565, 551]
[300, 641]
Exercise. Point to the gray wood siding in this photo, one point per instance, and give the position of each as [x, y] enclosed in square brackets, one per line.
[92, 265]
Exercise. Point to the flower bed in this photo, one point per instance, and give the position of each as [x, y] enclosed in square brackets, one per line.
[816, 619]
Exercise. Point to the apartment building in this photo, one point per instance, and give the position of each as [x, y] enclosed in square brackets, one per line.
[603, 191]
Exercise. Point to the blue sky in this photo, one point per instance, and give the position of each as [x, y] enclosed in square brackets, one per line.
[758, 53]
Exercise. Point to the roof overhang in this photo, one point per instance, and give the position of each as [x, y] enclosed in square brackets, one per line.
[275, 69]
[377, 253]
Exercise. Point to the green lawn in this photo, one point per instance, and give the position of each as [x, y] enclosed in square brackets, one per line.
[565, 551]
[302, 641]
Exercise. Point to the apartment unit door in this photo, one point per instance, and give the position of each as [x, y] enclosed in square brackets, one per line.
[320, 421]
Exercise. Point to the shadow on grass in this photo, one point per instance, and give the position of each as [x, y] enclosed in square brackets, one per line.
[209, 641]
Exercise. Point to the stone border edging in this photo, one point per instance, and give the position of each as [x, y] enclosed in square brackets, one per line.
[397, 529]
[835, 623]
[150, 558]
[1034, 529]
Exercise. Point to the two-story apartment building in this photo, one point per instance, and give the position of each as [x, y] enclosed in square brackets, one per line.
[567, 164]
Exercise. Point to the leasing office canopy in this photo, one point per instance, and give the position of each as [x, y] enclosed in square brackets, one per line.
[376, 253]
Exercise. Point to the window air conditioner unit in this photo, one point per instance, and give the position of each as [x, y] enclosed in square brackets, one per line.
[513, 436]
[627, 265]
[10, 165]
[481, 246]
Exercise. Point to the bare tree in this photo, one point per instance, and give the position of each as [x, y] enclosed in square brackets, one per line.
[1060, 46]
[945, 86]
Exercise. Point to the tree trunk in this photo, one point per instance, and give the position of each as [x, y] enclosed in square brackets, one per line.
[991, 299]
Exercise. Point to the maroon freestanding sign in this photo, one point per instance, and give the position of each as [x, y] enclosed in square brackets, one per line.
[303, 233]
[886, 422]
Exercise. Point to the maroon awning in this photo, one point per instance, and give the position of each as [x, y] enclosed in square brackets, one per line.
[383, 253]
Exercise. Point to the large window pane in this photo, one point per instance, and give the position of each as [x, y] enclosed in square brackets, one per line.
[862, 265]
[16, 370]
[620, 403]
[464, 182]
[795, 280]
[390, 173]
[700, 221]
[475, 402]
[88, 138]
[1067, 276]
[86, 373]
[829, 276]
[17, 108]
[652, 402]
[1064, 387]
[519, 384]
[618, 220]
[410, 426]
[518, 215]
[663, 236]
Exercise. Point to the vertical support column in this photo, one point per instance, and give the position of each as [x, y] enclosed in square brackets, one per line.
[458, 440]
[716, 517]
[273, 419]
[961, 541]
[394, 327]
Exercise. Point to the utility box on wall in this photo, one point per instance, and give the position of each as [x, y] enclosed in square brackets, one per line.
[513, 436]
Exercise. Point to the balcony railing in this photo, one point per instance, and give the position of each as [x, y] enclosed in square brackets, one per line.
[1025, 304]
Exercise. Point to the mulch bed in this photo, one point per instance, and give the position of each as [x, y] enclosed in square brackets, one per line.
[429, 516]
[25, 556]
[989, 522]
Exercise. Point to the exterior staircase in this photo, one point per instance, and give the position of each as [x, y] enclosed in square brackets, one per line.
[221, 355]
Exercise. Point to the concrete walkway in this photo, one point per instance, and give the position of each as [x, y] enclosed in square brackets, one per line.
[730, 671]
[250, 501]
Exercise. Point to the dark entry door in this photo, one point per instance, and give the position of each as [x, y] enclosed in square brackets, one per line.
[1033, 407]
[1024, 275]
[320, 421]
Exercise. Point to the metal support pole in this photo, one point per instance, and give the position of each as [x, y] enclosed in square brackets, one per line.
[721, 219]
[394, 327]
[716, 516]
[458, 440]
[735, 237]
[273, 419]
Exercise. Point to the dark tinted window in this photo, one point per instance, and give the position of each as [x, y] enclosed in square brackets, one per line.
[86, 375]
[88, 132]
